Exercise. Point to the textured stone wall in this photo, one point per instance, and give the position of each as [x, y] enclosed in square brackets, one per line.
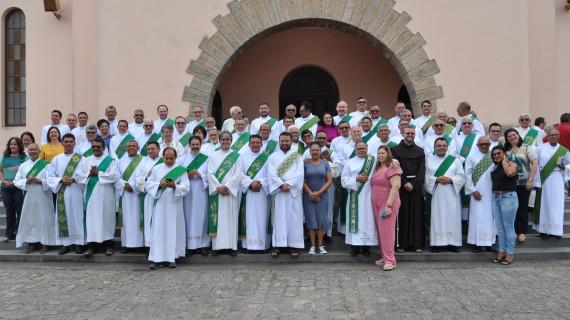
[374, 21]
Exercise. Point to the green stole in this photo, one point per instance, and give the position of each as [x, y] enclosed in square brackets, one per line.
[300, 148]
[472, 118]
[35, 170]
[201, 123]
[353, 211]
[272, 122]
[443, 167]
[126, 176]
[448, 129]
[467, 145]
[160, 160]
[482, 167]
[172, 174]
[241, 141]
[122, 147]
[307, 125]
[60, 203]
[544, 174]
[391, 144]
[374, 130]
[197, 162]
[154, 137]
[270, 147]
[94, 179]
[88, 153]
[184, 139]
[346, 118]
[252, 171]
[221, 172]
[283, 168]
[530, 136]
[428, 124]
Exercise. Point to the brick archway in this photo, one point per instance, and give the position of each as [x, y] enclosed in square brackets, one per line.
[374, 21]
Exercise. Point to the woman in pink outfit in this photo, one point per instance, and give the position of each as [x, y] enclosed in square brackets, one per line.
[386, 199]
[327, 125]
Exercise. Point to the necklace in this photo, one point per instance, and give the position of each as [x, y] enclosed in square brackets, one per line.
[50, 147]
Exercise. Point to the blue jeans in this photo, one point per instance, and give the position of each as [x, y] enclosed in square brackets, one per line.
[13, 200]
[504, 212]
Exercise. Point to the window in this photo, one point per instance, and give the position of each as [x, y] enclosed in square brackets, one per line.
[15, 68]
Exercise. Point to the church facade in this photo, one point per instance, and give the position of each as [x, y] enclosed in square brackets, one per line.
[504, 57]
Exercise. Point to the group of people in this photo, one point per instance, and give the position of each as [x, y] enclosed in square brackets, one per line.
[178, 188]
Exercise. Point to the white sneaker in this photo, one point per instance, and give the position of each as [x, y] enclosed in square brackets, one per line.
[312, 250]
[322, 250]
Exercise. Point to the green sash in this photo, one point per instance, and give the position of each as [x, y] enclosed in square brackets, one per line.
[88, 153]
[35, 170]
[428, 124]
[60, 203]
[283, 168]
[221, 172]
[94, 179]
[443, 167]
[122, 147]
[169, 121]
[374, 130]
[353, 212]
[252, 171]
[346, 118]
[448, 129]
[271, 145]
[307, 125]
[530, 136]
[467, 145]
[201, 123]
[544, 174]
[160, 160]
[413, 125]
[241, 141]
[172, 174]
[197, 162]
[391, 144]
[154, 137]
[272, 122]
[482, 167]
[300, 148]
[184, 139]
[126, 176]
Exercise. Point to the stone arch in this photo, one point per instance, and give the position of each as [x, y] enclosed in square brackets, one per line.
[374, 21]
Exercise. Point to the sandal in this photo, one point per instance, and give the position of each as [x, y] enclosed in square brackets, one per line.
[275, 253]
[388, 267]
[418, 250]
[109, 252]
[380, 262]
[507, 261]
[400, 250]
[500, 258]
[6, 239]
[293, 253]
[522, 238]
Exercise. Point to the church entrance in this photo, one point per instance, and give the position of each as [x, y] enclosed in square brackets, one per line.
[311, 84]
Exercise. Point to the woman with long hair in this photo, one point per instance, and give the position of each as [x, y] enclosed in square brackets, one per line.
[327, 125]
[53, 147]
[12, 197]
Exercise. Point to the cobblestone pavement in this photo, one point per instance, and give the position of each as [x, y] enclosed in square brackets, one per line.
[526, 289]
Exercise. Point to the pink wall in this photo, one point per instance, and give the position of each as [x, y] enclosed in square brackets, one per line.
[358, 68]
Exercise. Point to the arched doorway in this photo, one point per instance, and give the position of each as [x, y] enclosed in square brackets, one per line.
[309, 84]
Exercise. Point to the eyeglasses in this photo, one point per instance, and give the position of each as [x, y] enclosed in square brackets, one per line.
[291, 110]
[71, 120]
[554, 134]
[495, 131]
[292, 133]
[148, 125]
[467, 123]
[452, 122]
[344, 128]
[360, 149]
[180, 123]
[139, 115]
[524, 120]
[362, 102]
[439, 125]
[409, 133]
[96, 147]
[322, 138]
[90, 132]
[225, 139]
[374, 111]
[485, 144]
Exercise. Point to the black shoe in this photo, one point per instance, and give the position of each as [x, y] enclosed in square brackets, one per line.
[204, 251]
[44, 249]
[366, 251]
[455, 249]
[63, 250]
[88, 253]
[353, 250]
[31, 248]
[153, 266]
[124, 250]
[434, 249]
[491, 249]
[232, 253]
[327, 239]
[172, 265]
[78, 249]
[543, 235]
[476, 249]
[215, 253]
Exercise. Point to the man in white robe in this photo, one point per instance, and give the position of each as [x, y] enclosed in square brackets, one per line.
[62, 179]
[438, 126]
[228, 125]
[263, 118]
[224, 177]
[449, 130]
[118, 143]
[425, 121]
[399, 137]
[254, 198]
[196, 201]
[360, 223]
[55, 122]
[290, 113]
[464, 110]
[79, 131]
[478, 167]
[530, 135]
[136, 127]
[286, 177]
[84, 148]
[142, 174]
[198, 114]
[147, 136]
[444, 187]
[162, 112]
[549, 206]
[307, 120]
[361, 112]
[37, 225]
[495, 134]
[130, 200]
[180, 130]
[167, 186]
[98, 174]
[213, 145]
[240, 138]
[382, 138]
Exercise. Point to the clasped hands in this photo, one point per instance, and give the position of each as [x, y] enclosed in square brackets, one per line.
[222, 190]
[444, 180]
[255, 186]
[314, 196]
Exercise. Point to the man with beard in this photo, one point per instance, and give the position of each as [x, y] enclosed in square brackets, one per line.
[85, 147]
[263, 118]
[438, 128]
[240, 138]
[410, 222]
[196, 201]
